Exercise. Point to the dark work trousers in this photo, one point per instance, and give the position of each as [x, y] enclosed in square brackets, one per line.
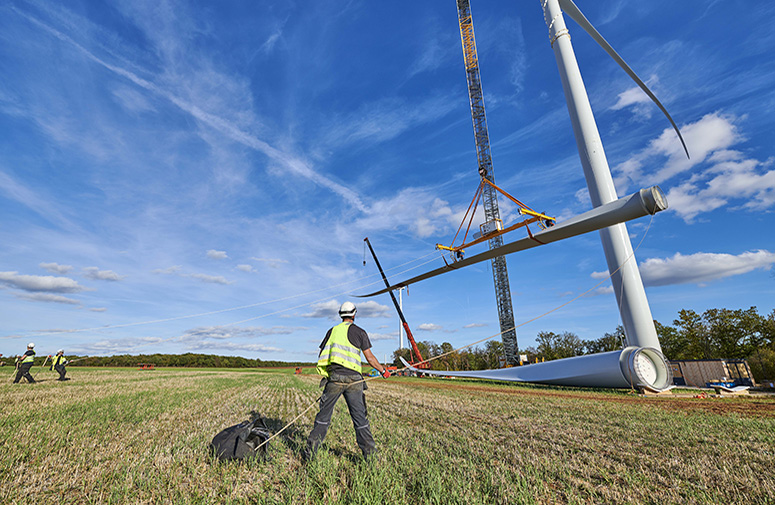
[24, 371]
[356, 403]
[62, 372]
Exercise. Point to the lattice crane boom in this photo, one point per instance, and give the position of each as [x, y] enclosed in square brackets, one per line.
[489, 198]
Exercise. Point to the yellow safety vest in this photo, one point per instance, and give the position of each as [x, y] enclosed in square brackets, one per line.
[339, 350]
[29, 358]
[57, 360]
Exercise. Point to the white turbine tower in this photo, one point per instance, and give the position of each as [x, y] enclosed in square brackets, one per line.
[641, 364]
[628, 286]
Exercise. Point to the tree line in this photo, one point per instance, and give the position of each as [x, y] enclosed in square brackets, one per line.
[714, 334]
[189, 360]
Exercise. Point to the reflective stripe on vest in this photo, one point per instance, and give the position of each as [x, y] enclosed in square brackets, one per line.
[29, 358]
[339, 350]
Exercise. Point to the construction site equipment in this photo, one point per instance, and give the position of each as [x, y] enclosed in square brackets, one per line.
[146, 366]
[242, 441]
[298, 371]
[417, 356]
[492, 229]
[710, 372]
[500, 272]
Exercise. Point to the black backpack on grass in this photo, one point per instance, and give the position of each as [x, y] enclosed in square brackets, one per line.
[242, 441]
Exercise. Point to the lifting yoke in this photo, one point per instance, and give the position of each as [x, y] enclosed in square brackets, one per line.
[492, 229]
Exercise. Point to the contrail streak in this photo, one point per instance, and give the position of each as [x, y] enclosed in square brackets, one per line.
[293, 163]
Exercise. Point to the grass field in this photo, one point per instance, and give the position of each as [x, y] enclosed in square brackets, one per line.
[129, 436]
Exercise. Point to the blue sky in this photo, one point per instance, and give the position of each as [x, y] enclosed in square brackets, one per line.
[190, 177]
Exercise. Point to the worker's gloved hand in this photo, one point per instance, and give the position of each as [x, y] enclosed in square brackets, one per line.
[385, 373]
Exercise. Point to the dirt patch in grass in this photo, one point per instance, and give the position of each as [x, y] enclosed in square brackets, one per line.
[743, 406]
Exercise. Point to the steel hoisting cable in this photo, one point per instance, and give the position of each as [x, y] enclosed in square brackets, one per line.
[366, 379]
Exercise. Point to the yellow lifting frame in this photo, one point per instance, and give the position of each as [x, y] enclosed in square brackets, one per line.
[537, 217]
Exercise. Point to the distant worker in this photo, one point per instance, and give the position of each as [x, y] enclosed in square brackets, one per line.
[339, 363]
[58, 365]
[24, 364]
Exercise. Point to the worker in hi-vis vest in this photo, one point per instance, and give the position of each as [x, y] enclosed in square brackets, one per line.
[58, 364]
[339, 363]
[24, 364]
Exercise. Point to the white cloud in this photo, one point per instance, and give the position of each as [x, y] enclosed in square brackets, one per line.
[217, 255]
[115, 346]
[330, 310]
[245, 268]
[430, 57]
[272, 262]
[711, 133]
[98, 309]
[375, 337]
[17, 191]
[40, 283]
[730, 179]
[385, 119]
[173, 270]
[416, 209]
[602, 290]
[176, 270]
[429, 327]
[231, 346]
[372, 309]
[637, 100]
[702, 267]
[47, 297]
[95, 273]
[475, 325]
[720, 176]
[131, 100]
[211, 279]
[233, 332]
[56, 268]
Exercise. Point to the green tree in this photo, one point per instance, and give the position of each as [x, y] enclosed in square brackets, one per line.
[608, 342]
[401, 353]
[674, 344]
[559, 345]
[493, 351]
[692, 328]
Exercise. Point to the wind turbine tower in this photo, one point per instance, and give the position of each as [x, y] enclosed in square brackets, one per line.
[493, 221]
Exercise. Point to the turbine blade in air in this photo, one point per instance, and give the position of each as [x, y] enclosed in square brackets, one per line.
[644, 202]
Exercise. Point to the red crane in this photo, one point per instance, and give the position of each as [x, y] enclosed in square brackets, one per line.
[418, 361]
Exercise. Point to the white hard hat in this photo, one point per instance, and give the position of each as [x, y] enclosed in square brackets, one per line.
[60, 350]
[31, 345]
[347, 310]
